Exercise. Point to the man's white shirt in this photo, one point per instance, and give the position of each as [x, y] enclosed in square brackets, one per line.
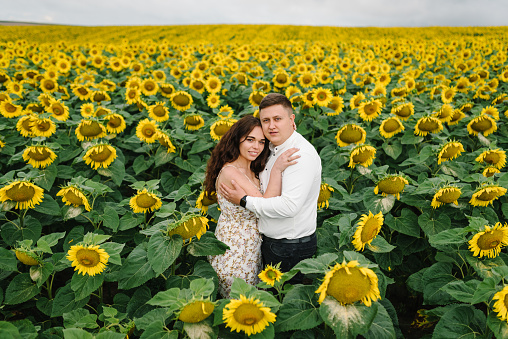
[293, 214]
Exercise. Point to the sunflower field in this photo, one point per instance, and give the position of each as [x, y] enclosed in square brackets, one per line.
[105, 133]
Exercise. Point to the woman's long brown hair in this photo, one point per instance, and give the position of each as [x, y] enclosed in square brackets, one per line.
[228, 150]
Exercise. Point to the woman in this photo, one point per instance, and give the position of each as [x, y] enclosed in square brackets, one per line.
[241, 155]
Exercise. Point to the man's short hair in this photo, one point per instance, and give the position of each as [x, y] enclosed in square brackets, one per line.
[272, 99]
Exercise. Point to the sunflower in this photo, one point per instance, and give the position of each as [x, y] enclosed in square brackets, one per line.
[83, 92]
[337, 104]
[2, 144]
[196, 311]
[24, 193]
[165, 140]
[24, 125]
[146, 131]
[213, 84]
[89, 259]
[193, 122]
[28, 258]
[158, 112]
[270, 275]
[491, 111]
[446, 195]
[144, 202]
[501, 305]
[132, 95]
[189, 226]
[325, 192]
[181, 100]
[445, 113]
[48, 85]
[354, 102]
[43, 127]
[247, 315]
[281, 79]
[149, 87]
[489, 242]
[500, 99]
[450, 151]
[166, 90]
[58, 109]
[101, 155]
[72, 195]
[428, 125]
[39, 156]
[350, 134]
[220, 127]
[392, 184]
[206, 199]
[496, 158]
[457, 116]
[368, 228]
[362, 155]
[404, 110]
[322, 96]
[87, 110]
[370, 109]
[89, 130]
[115, 123]
[213, 100]
[490, 171]
[482, 124]
[390, 126]
[485, 195]
[255, 98]
[10, 110]
[99, 96]
[349, 283]
[447, 95]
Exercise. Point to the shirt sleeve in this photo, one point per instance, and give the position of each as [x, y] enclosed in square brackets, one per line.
[297, 182]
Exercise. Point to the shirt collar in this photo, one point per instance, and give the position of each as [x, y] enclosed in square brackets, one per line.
[285, 144]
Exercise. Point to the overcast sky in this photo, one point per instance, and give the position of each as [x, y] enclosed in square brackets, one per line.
[349, 13]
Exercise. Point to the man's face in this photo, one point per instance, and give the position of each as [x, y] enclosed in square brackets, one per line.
[277, 124]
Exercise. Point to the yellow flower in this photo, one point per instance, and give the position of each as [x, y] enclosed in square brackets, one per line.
[489, 242]
[369, 110]
[89, 259]
[281, 79]
[58, 109]
[144, 202]
[322, 96]
[362, 155]
[115, 123]
[206, 199]
[149, 87]
[392, 184]
[72, 195]
[403, 111]
[101, 155]
[428, 125]
[213, 100]
[486, 195]
[496, 158]
[368, 228]
[190, 226]
[354, 102]
[447, 94]
[247, 315]
[43, 127]
[445, 113]
[255, 98]
[27, 257]
[491, 111]
[89, 130]
[193, 122]
[87, 110]
[350, 134]
[158, 112]
[39, 156]
[349, 283]
[450, 151]
[99, 96]
[24, 193]
[146, 131]
[24, 125]
[213, 84]
[165, 140]
[196, 311]
[181, 100]
[337, 104]
[456, 117]
[390, 126]
[220, 127]
[324, 195]
[501, 305]
[446, 195]
[270, 275]
[10, 110]
[132, 95]
[166, 90]
[225, 112]
[482, 124]
[81, 91]
[48, 85]
[490, 171]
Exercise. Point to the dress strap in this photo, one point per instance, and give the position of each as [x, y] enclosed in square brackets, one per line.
[239, 171]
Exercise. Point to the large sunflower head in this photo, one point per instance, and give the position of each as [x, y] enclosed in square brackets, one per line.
[23, 193]
[490, 171]
[457, 116]
[10, 110]
[39, 156]
[445, 113]
[24, 125]
[391, 184]
[450, 151]
[145, 201]
[270, 275]
[390, 126]
[403, 110]
[349, 283]
[482, 124]
[146, 131]
[88, 259]
[496, 158]
[27, 257]
[89, 130]
[189, 226]
[206, 199]
[115, 123]
[43, 127]
[325, 193]
[247, 315]
[101, 155]
[58, 109]
[73, 195]
[486, 194]
[489, 242]
[370, 109]
[362, 155]
[255, 98]
[368, 228]
[158, 112]
[337, 104]
[165, 141]
[193, 122]
[350, 134]
[491, 111]
[322, 96]
[446, 195]
[428, 125]
[501, 297]
[181, 100]
[48, 85]
[220, 127]
[149, 87]
[196, 311]
[213, 84]
[166, 90]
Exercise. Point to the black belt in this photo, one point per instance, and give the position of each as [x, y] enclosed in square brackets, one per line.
[291, 241]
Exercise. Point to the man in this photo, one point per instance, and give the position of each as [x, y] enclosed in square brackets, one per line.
[287, 222]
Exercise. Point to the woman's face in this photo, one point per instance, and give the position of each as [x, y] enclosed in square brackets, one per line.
[252, 144]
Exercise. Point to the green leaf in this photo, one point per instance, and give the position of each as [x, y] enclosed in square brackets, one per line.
[140, 164]
[497, 326]
[76, 333]
[20, 289]
[136, 270]
[80, 318]
[48, 206]
[316, 265]
[202, 329]
[162, 252]
[202, 287]
[435, 277]
[268, 333]
[9, 331]
[130, 220]
[31, 230]
[461, 290]
[460, 322]
[407, 223]
[26, 329]
[382, 325]
[110, 335]
[434, 226]
[448, 239]
[8, 260]
[156, 315]
[113, 249]
[157, 331]
[207, 245]
[376, 203]
[484, 267]
[46, 177]
[200, 145]
[485, 291]
[380, 245]
[392, 149]
[94, 238]
[347, 321]
[166, 298]
[116, 171]
[51, 239]
[65, 301]
[110, 218]
[84, 285]
[299, 310]
[166, 210]
[40, 273]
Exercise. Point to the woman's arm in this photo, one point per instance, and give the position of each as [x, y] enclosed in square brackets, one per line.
[286, 159]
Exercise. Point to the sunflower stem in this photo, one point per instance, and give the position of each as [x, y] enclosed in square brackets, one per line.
[101, 293]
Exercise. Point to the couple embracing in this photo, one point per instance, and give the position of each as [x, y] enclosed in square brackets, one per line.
[267, 178]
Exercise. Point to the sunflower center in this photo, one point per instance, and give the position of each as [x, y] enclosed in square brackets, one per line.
[196, 312]
[102, 155]
[370, 109]
[370, 230]
[248, 314]
[88, 258]
[39, 154]
[100, 112]
[481, 124]
[428, 125]
[362, 156]
[159, 111]
[99, 97]
[221, 129]
[181, 100]
[132, 94]
[43, 126]
[188, 229]
[82, 91]
[21, 192]
[192, 120]
[391, 186]
[324, 195]
[492, 158]
[450, 152]
[391, 125]
[449, 196]
[490, 240]
[487, 196]
[49, 85]
[167, 89]
[281, 78]
[208, 200]
[73, 198]
[271, 275]
[58, 109]
[149, 86]
[92, 129]
[348, 288]
[148, 131]
[10, 108]
[350, 135]
[114, 122]
[145, 200]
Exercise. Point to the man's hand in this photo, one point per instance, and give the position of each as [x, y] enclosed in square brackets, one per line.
[232, 195]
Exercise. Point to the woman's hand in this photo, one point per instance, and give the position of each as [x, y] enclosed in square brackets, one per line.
[286, 159]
